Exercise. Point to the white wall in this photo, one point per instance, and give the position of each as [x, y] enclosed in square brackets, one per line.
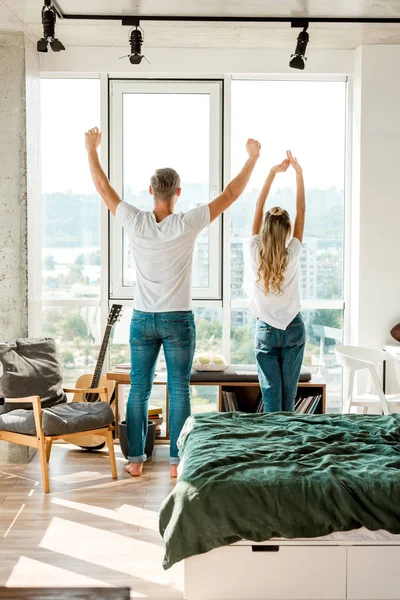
[376, 194]
[192, 62]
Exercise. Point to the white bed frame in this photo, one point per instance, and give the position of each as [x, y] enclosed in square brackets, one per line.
[297, 570]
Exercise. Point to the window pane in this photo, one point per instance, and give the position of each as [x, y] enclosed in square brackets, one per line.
[71, 207]
[77, 332]
[301, 116]
[208, 334]
[324, 330]
[167, 130]
[243, 324]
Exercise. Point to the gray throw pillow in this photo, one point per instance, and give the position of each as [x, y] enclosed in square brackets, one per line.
[31, 367]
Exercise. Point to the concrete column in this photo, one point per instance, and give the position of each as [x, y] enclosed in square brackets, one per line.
[20, 192]
[375, 280]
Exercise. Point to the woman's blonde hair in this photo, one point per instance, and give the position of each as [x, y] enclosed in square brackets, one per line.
[273, 253]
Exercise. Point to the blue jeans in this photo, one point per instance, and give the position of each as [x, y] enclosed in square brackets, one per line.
[279, 356]
[176, 332]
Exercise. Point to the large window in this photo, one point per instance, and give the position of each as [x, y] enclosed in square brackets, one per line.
[181, 124]
[309, 118]
[170, 124]
[71, 224]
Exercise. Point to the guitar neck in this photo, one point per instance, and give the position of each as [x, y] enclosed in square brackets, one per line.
[101, 357]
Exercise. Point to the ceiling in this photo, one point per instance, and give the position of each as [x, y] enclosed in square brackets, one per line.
[24, 15]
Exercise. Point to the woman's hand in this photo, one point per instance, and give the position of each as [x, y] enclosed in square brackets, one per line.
[281, 168]
[294, 163]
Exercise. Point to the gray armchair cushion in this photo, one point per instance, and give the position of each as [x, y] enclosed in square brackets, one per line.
[31, 367]
[74, 417]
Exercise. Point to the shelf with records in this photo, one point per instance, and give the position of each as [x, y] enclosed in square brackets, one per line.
[306, 403]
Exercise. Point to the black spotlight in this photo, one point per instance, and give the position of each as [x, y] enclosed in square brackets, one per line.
[298, 59]
[136, 41]
[49, 17]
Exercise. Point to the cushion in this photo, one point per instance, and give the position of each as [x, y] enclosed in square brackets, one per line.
[243, 373]
[31, 367]
[208, 361]
[74, 417]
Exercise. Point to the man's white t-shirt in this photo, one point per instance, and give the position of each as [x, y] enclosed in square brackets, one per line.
[163, 254]
[277, 310]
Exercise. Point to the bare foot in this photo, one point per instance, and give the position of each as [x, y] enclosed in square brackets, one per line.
[134, 469]
[174, 471]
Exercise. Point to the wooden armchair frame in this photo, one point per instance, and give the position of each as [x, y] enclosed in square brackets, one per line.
[43, 442]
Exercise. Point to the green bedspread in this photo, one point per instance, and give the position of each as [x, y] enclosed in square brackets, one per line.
[257, 477]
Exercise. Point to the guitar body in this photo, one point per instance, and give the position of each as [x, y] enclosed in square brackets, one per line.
[95, 380]
[94, 442]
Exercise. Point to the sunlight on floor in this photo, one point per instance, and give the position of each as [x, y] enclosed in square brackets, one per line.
[128, 555]
[131, 515]
[80, 476]
[27, 570]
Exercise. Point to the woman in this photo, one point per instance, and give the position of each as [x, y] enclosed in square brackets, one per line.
[280, 333]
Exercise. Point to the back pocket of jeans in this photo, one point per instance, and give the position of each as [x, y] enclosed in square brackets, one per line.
[263, 335]
[296, 334]
[138, 329]
[179, 331]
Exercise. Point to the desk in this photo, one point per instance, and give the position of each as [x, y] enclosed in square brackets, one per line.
[242, 378]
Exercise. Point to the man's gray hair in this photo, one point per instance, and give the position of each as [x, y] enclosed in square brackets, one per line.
[165, 183]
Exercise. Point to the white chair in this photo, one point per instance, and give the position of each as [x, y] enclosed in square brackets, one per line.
[353, 359]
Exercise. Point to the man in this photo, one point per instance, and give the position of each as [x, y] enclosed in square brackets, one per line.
[162, 243]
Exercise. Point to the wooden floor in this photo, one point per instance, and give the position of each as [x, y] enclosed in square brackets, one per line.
[90, 530]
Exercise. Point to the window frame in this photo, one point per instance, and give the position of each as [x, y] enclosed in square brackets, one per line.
[119, 87]
[223, 298]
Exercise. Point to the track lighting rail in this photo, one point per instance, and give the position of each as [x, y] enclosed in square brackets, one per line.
[294, 21]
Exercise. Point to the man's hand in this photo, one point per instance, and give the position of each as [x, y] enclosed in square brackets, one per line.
[92, 139]
[253, 148]
[294, 163]
[281, 168]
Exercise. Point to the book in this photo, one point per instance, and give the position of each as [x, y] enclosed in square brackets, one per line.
[301, 405]
[314, 404]
[157, 420]
[309, 403]
[234, 402]
[230, 402]
[154, 410]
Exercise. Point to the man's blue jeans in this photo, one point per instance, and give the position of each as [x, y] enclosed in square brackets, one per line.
[279, 356]
[176, 332]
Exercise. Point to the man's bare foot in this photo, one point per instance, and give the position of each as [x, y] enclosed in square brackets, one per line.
[174, 471]
[134, 469]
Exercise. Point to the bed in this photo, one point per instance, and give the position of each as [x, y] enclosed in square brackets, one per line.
[286, 506]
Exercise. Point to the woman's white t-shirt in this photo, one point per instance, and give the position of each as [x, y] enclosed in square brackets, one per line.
[278, 310]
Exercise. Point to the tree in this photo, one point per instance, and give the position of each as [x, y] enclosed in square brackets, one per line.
[49, 263]
[67, 357]
[75, 275]
[73, 326]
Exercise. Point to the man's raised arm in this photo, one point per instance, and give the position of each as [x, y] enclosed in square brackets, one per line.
[237, 186]
[100, 179]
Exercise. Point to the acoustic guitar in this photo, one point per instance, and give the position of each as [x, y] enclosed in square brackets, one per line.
[94, 380]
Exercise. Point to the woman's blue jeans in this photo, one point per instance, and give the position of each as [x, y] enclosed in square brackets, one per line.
[279, 356]
[176, 332]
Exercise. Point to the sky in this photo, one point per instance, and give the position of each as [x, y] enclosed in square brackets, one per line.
[173, 130]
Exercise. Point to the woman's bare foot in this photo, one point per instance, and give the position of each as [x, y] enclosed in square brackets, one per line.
[134, 469]
[174, 471]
